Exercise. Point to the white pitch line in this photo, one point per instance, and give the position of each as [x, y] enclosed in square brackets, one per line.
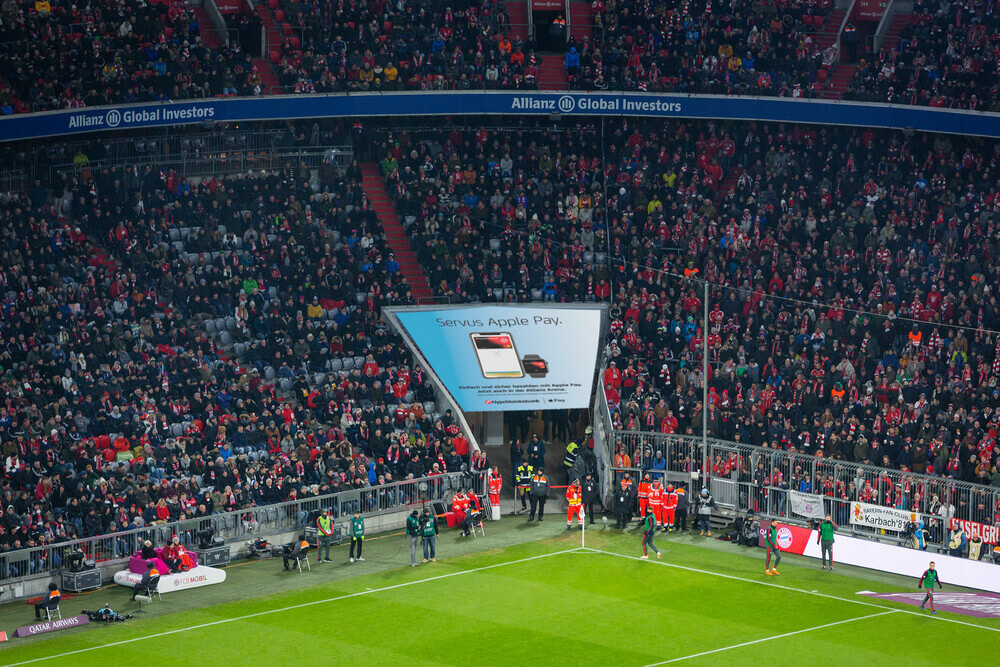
[797, 590]
[767, 639]
[291, 607]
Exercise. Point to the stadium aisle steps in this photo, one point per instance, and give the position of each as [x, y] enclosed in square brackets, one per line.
[399, 242]
[580, 22]
[552, 72]
[729, 184]
[208, 31]
[518, 13]
[829, 32]
[840, 78]
[272, 42]
[899, 21]
[267, 76]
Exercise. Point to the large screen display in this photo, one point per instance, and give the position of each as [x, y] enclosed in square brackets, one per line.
[494, 358]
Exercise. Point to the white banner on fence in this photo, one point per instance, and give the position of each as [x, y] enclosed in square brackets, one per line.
[806, 504]
[875, 516]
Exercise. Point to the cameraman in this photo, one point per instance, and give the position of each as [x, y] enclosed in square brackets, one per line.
[429, 532]
[413, 533]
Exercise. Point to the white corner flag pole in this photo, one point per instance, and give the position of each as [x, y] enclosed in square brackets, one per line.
[583, 530]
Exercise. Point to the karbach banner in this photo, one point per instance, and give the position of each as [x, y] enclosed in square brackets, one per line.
[989, 534]
[806, 504]
[427, 103]
[49, 626]
[495, 358]
[793, 539]
[876, 516]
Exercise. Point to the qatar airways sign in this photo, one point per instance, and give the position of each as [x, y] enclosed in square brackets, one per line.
[50, 626]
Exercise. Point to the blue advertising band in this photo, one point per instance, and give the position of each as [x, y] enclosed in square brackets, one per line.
[822, 112]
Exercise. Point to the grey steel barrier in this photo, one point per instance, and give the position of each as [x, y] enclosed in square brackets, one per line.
[743, 477]
[240, 525]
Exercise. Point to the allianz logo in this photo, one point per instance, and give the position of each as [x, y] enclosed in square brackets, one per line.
[571, 103]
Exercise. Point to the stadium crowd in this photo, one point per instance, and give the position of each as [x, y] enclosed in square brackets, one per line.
[118, 407]
[944, 57]
[852, 313]
[735, 48]
[56, 55]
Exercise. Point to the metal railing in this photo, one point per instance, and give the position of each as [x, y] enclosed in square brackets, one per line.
[240, 525]
[201, 165]
[883, 26]
[746, 477]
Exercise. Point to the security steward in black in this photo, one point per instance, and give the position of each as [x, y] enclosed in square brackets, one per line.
[623, 504]
[591, 496]
[524, 483]
[539, 494]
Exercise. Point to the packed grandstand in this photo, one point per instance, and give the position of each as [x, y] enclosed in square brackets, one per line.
[176, 345]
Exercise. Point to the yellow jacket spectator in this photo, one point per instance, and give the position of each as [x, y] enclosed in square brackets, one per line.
[315, 310]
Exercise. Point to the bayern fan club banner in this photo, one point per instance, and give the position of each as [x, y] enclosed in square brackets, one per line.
[989, 534]
[876, 516]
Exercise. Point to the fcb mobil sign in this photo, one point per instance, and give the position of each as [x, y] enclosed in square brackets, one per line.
[875, 516]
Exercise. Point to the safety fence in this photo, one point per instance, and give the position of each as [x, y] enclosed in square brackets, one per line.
[744, 477]
[241, 525]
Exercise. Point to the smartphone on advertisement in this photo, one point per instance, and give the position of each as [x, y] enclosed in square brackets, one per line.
[496, 354]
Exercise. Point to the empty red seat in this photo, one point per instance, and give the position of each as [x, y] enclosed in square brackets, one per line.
[819, 22]
[822, 75]
[168, 32]
[294, 41]
[272, 4]
[286, 29]
[808, 20]
[275, 57]
[279, 15]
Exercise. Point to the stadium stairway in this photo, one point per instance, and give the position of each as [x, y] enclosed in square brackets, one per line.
[399, 241]
[267, 76]
[581, 25]
[895, 27]
[552, 72]
[729, 184]
[208, 31]
[518, 13]
[840, 79]
[272, 49]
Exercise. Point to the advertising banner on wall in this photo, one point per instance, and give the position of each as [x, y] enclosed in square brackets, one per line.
[524, 357]
[875, 516]
[793, 539]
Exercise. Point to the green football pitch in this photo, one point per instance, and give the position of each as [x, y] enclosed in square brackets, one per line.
[527, 594]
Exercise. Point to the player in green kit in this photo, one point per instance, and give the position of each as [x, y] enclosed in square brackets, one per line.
[648, 531]
[927, 581]
[772, 546]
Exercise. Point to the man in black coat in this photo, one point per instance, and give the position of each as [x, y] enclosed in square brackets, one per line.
[591, 495]
[623, 504]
